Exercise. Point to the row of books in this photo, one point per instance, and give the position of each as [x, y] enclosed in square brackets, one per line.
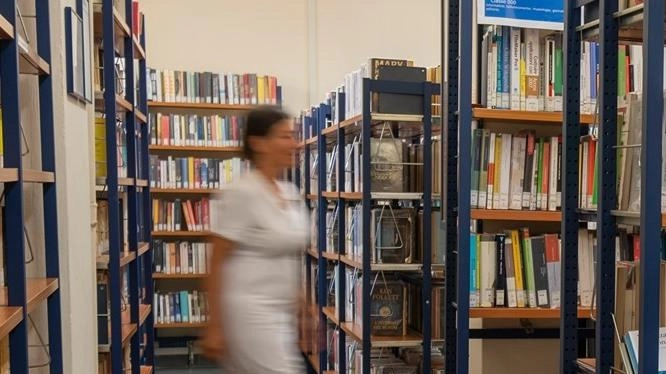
[180, 307]
[516, 171]
[181, 215]
[181, 257]
[196, 130]
[516, 270]
[397, 166]
[396, 234]
[100, 148]
[213, 88]
[404, 360]
[195, 173]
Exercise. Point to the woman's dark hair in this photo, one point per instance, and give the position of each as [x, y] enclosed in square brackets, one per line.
[259, 123]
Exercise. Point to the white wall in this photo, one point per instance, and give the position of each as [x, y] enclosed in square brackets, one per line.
[264, 37]
[351, 31]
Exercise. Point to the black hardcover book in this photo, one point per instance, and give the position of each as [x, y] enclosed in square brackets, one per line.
[399, 103]
[540, 271]
[387, 309]
[500, 277]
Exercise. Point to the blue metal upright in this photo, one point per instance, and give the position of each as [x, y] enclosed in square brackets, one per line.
[449, 95]
[321, 114]
[15, 258]
[606, 227]
[139, 211]
[146, 203]
[114, 214]
[365, 220]
[342, 235]
[653, 109]
[570, 140]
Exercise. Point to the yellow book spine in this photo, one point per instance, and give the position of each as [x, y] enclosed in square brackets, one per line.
[518, 268]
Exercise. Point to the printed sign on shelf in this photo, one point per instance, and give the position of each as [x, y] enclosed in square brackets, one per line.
[536, 14]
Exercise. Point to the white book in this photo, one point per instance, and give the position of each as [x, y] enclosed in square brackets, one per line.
[505, 180]
[488, 258]
[518, 150]
[515, 67]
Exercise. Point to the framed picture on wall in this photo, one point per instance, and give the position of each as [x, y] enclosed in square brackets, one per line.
[83, 9]
[75, 56]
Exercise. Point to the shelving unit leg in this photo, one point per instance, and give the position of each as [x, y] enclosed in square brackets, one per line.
[449, 94]
[606, 228]
[571, 131]
[653, 108]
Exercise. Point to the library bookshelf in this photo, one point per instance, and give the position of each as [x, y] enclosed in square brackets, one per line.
[25, 67]
[588, 26]
[226, 148]
[124, 287]
[328, 261]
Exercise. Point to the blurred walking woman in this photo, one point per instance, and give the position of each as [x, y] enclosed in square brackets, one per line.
[260, 228]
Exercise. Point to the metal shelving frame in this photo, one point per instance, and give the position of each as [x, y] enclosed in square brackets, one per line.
[138, 194]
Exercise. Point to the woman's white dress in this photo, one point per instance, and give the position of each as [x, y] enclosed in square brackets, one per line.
[260, 280]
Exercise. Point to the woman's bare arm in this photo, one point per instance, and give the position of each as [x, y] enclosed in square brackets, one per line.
[213, 340]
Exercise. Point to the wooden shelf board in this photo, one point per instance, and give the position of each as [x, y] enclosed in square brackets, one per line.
[329, 130]
[357, 263]
[409, 340]
[200, 106]
[329, 312]
[143, 248]
[128, 330]
[381, 117]
[6, 29]
[38, 176]
[30, 62]
[519, 313]
[138, 49]
[146, 370]
[181, 234]
[122, 105]
[8, 174]
[330, 194]
[311, 196]
[37, 290]
[193, 148]
[140, 116]
[126, 257]
[142, 183]
[351, 195]
[331, 256]
[312, 140]
[178, 276]
[121, 181]
[10, 317]
[517, 215]
[202, 191]
[554, 118]
[121, 27]
[312, 252]
[144, 313]
[180, 325]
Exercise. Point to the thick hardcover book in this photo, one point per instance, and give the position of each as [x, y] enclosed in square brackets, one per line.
[500, 275]
[399, 103]
[540, 271]
[386, 171]
[387, 309]
[392, 234]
